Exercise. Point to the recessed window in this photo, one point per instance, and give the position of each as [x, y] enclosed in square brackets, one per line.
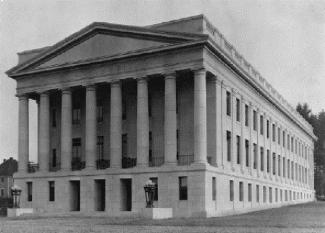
[273, 132]
[51, 191]
[283, 139]
[29, 191]
[264, 194]
[250, 192]
[257, 193]
[270, 195]
[228, 103]
[228, 146]
[261, 125]
[273, 163]
[247, 152]
[262, 158]
[267, 128]
[241, 191]
[231, 190]
[182, 187]
[76, 147]
[279, 136]
[214, 189]
[54, 158]
[268, 161]
[237, 109]
[246, 115]
[254, 120]
[238, 149]
[155, 181]
[255, 155]
[279, 165]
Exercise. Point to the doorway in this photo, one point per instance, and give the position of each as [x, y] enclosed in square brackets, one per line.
[126, 194]
[100, 195]
[75, 195]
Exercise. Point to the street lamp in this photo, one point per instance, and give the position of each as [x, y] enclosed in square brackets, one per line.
[15, 192]
[149, 189]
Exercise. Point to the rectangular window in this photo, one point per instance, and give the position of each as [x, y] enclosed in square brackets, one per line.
[292, 168]
[255, 155]
[76, 147]
[237, 109]
[254, 120]
[284, 167]
[262, 158]
[257, 193]
[264, 194]
[279, 136]
[270, 195]
[53, 117]
[283, 139]
[53, 157]
[246, 115]
[238, 149]
[288, 164]
[261, 125]
[29, 191]
[100, 114]
[228, 146]
[286, 195]
[228, 103]
[155, 181]
[267, 128]
[182, 187]
[76, 116]
[241, 191]
[100, 147]
[247, 152]
[268, 161]
[273, 132]
[281, 195]
[276, 194]
[214, 189]
[291, 144]
[288, 142]
[279, 165]
[51, 191]
[250, 192]
[273, 163]
[231, 190]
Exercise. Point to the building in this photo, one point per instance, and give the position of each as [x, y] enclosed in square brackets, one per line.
[7, 169]
[172, 102]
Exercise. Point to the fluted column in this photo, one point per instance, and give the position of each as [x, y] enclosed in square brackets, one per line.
[116, 125]
[23, 133]
[170, 140]
[66, 129]
[142, 123]
[44, 131]
[91, 135]
[200, 117]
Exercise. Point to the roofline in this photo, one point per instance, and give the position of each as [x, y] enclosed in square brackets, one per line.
[176, 20]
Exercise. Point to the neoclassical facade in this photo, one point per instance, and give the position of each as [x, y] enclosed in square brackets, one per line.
[172, 102]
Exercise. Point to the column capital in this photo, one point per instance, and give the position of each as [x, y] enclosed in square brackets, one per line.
[66, 90]
[170, 75]
[142, 79]
[91, 87]
[200, 70]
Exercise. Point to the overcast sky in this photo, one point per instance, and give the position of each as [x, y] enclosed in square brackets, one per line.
[284, 40]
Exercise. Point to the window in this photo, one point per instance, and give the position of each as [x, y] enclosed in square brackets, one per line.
[237, 109]
[241, 191]
[214, 189]
[2, 194]
[288, 164]
[250, 192]
[231, 190]
[76, 116]
[247, 152]
[261, 125]
[238, 149]
[273, 163]
[182, 187]
[100, 113]
[284, 167]
[29, 191]
[264, 194]
[254, 120]
[228, 103]
[283, 139]
[262, 158]
[279, 165]
[100, 147]
[288, 142]
[257, 193]
[155, 181]
[281, 195]
[270, 195]
[268, 161]
[255, 155]
[228, 146]
[279, 136]
[267, 128]
[291, 144]
[76, 147]
[53, 117]
[53, 157]
[51, 191]
[246, 115]
[286, 195]
[273, 132]
[292, 168]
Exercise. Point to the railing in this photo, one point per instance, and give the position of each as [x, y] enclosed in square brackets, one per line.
[128, 162]
[77, 164]
[102, 163]
[32, 167]
[183, 160]
[156, 161]
[54, 167]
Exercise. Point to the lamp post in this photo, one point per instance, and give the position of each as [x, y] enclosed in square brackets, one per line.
[15, 192]
[149, 189]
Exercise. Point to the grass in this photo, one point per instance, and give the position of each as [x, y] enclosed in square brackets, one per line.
[300, 218]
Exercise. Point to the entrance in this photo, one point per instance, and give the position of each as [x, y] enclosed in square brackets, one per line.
[100, 195]
[75, 195]
[126, 194]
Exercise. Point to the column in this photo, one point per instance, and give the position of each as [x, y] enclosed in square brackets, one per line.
[44, 131]
[23, 133]
[142, 123]
[200, 117]
[91, 130]
[170, 127]
[116, 125]
[66, 129]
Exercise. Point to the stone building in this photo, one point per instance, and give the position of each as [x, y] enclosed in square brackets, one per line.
[172, 102]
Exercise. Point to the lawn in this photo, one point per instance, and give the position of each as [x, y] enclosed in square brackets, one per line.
[300, 218]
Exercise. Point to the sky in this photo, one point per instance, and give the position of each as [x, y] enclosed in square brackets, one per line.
[284, 40]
